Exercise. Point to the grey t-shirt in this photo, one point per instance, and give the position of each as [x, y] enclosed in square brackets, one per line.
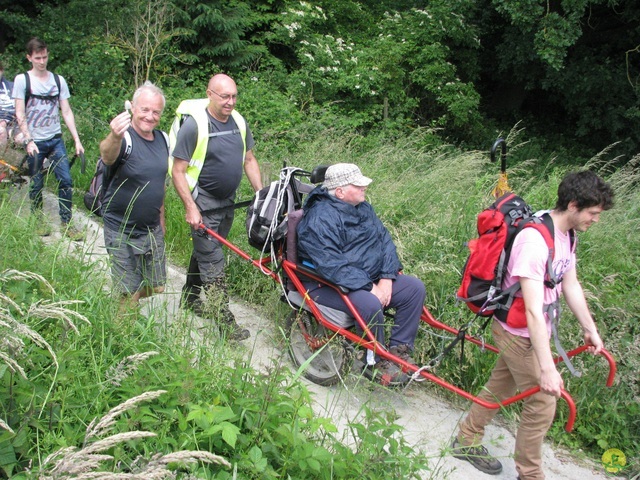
[136, 191]
[222, 170]
[43, 116]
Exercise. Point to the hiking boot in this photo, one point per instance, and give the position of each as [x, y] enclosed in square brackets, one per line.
[225, 318]
[226, 321]
[72, 233]
[216, 307]
[195, 306]
[478, 456]
[403, 352]
[233, 331]
[190, 299]
[385, 373]
[42, 226]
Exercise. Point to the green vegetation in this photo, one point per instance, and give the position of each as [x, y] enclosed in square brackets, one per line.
[429, 197]
[85, 389]
[428, 194]
[412, 91]
[569, 69]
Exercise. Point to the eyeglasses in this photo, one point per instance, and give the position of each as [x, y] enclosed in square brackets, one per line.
[225, 97]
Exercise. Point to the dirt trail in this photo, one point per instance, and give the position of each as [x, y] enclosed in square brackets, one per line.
[429, 422]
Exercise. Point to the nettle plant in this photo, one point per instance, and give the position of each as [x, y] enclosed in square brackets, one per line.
[406, 72]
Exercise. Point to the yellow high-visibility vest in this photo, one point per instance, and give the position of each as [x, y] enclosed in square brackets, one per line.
[197, 109]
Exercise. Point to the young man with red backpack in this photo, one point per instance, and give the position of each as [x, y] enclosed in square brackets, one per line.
[525, 357]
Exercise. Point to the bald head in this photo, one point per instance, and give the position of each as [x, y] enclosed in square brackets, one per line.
[221, 81]
[222, 93]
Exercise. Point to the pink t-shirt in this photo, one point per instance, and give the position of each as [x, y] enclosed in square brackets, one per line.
[529, 260]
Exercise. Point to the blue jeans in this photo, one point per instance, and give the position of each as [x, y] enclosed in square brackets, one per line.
[56, 152]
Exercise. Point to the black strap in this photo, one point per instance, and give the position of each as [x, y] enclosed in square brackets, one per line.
[235, 131]
[111, 171]
[227, 207]
[27, 89]
[459, 338]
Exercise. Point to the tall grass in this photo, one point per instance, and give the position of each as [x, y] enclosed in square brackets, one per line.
[122, 395]
[429, 195]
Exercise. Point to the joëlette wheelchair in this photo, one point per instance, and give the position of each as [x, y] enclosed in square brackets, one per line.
[322, 340]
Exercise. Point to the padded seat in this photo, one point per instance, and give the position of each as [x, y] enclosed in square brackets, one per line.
[337, 317]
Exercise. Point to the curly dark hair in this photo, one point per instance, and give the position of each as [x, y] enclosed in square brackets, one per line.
[586, 189]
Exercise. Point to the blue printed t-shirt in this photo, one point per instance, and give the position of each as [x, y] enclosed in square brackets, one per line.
[43, 116]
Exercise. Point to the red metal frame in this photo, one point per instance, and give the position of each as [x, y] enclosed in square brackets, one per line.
[369, 342]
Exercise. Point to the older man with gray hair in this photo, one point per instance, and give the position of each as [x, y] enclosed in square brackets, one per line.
[345, 241]
[137, 159]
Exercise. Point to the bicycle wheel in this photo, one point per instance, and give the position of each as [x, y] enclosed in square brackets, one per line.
[310, 342]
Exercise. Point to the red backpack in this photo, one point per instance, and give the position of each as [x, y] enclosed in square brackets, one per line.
[484, 271]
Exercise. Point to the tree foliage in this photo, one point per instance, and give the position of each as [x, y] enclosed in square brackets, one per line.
[567, 67]
[566, 64]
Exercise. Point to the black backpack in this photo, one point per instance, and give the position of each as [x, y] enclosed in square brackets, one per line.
[267, 214]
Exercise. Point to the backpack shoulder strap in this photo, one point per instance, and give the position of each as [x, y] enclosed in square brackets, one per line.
[27, 87]
[544, 225]
[573, 238]
[128, 146]
[548, 233]
[111, 171]
[56, 77]
[166, 138]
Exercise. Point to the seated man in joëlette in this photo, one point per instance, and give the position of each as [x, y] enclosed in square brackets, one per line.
[345, 241]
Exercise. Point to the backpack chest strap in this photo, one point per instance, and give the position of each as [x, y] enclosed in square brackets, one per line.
[553, 311]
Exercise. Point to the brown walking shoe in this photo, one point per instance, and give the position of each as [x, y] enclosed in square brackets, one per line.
[478, 456]
[404, 352]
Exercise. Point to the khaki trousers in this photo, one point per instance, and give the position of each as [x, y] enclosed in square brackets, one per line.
[517, 369]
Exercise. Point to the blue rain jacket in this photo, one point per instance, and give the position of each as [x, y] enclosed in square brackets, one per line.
[348, 245]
